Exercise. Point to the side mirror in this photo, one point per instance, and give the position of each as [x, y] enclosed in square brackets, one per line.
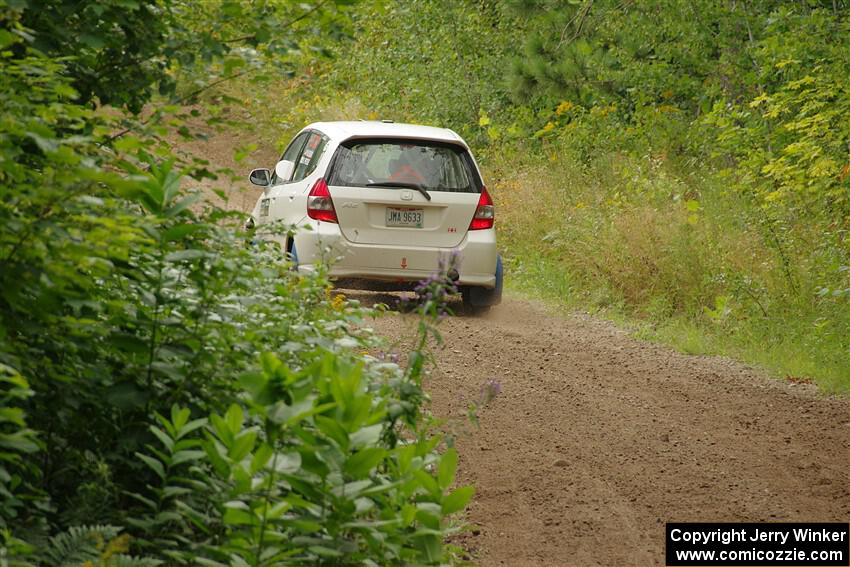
[284, 169]
[261, 177]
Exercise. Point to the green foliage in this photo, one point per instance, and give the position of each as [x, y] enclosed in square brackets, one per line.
[100, 546]
[17, 443]
[316, 480]
[326, 462]
[430, 61]
[627, 237]
[304, 473]
[105, 39]
[123, 52]
[791, 142]
[125, 299]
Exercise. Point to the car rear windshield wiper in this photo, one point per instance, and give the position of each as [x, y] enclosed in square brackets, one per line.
[416, 186]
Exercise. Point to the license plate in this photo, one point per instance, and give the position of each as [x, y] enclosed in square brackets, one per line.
[410, 218]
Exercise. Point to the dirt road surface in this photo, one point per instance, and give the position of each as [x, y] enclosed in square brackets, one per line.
[596, 439]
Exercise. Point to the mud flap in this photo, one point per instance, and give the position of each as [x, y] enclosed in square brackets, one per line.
[482, 296]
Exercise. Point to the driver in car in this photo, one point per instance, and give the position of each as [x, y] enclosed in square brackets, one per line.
[405, 168]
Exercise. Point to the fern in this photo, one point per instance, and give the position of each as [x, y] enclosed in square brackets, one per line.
[100, 546]
[78, 545]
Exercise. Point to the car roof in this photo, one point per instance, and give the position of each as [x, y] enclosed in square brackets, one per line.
[346, 130]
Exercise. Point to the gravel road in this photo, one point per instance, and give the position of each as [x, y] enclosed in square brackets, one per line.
[597, 439]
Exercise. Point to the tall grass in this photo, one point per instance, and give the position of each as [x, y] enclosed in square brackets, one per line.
[675, 252]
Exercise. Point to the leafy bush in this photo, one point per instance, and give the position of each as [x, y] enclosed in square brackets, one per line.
[124, 299]
[310, 472]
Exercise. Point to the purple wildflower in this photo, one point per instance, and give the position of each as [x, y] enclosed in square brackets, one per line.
[489, 390]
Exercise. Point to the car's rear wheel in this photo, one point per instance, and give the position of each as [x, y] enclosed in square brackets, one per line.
[292, 253]
[470, 304]
[481, 299]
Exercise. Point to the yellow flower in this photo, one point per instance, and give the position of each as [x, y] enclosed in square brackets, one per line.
[338, 302]
[565, 106]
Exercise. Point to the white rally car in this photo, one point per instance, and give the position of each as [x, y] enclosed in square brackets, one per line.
[385, 202]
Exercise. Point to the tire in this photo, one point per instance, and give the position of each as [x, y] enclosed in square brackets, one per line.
[481, 299]
[469, 306]
[292, 254]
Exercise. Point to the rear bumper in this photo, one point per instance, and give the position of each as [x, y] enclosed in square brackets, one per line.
[392, 263]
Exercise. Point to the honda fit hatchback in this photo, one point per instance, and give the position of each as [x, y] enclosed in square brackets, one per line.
[384, 202]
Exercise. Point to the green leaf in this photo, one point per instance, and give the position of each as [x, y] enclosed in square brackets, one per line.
[323, 551]
[361, 463]
[127, 143]
[239, 517]
[184, 456]
[190, 427]
[261, 457]
[154, 465]
[163, 437]
[283, 413]
[6, 39]
[333, 430]
[430, 546]
[366, 436]
[457, 500]
[183, 204]
[179, 416]
[234, 418]
[408, 514]
[221, 429]
[13, 415]
[277, 510]
[22, 440]
[447, 468]
[146, 501]
[242, 445]
[428, 482]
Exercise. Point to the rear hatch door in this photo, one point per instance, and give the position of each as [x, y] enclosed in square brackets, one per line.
[381, 189]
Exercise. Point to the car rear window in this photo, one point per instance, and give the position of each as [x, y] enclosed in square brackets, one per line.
[434, 166]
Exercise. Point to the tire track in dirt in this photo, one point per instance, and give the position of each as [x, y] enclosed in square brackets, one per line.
[597, 439]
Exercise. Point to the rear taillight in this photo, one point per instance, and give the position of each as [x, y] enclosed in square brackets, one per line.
[485, 213]
[320, 207]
